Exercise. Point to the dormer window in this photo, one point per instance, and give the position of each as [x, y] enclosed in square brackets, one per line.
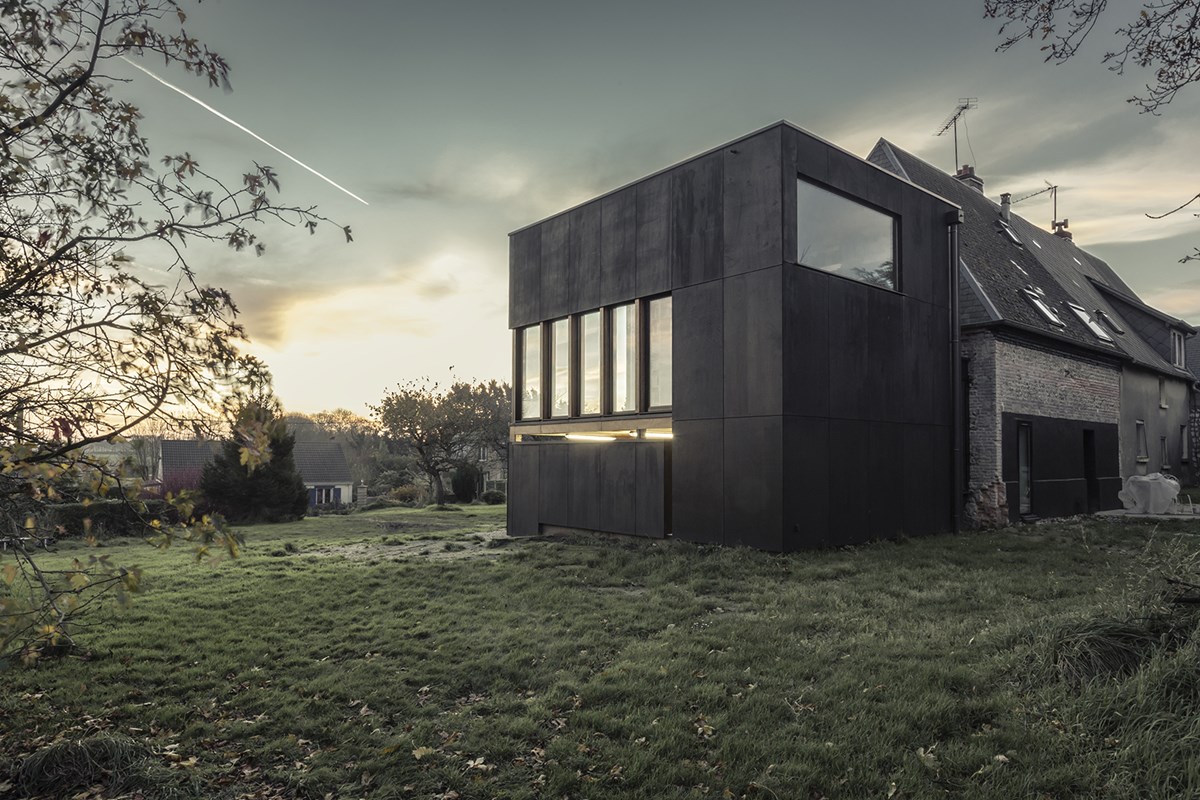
[1008, 233]
[1038, 300]
[1110, 322]
[1178, 357]
[1091, 324]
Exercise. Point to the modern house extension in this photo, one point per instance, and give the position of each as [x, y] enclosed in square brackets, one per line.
[757, 346]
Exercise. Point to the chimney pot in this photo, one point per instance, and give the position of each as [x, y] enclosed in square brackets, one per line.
[1006, 206]
[967, 175]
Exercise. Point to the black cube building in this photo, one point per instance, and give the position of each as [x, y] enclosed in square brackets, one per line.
[757, 346]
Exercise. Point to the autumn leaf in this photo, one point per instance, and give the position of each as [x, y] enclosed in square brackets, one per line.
[421, 752]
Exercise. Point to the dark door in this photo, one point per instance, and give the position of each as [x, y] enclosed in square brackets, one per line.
[1025, 468]
[1089, 471]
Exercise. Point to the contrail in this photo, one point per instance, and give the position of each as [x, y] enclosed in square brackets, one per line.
[242, 127]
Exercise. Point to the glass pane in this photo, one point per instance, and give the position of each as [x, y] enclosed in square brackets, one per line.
[1024, 470]
[531, 372]
[589, 363]
[660, 352]
[560, 346]
[844, 237]
[624, 358]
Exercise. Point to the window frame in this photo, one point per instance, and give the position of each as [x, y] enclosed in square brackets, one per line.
[645, 319]
[893, 218]
[581, 370]
[523, 369]
[634, 401]
[1092, 325]
[1178, 349]
[552, 368]
[1143, 451]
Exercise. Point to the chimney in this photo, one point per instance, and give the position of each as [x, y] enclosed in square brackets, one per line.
[1006, 206]
[967, 175]
[1060, 230]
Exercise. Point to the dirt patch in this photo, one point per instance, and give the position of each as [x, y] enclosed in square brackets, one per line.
[485, 544]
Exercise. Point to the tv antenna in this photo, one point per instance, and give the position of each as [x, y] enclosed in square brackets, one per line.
[965, 104]
[1055, 223]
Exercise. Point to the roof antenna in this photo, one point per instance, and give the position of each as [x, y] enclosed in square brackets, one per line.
[965, 104]
[1059, 227]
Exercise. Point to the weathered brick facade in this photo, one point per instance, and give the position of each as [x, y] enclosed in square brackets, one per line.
[1005, 376]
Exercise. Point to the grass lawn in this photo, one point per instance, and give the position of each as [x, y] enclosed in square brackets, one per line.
[422, 654]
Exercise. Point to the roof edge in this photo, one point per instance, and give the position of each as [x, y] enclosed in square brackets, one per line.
[1141, 305]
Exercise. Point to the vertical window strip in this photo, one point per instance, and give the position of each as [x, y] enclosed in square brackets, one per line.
[623, 348]
[531, 372]
[659, 371]
[560, 350]
[590, 359]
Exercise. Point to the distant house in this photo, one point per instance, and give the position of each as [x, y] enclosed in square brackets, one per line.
[322, 467]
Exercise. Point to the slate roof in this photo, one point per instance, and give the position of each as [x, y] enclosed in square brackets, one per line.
[993, 271]
[321, 462]
[187, 456]
[317, 462]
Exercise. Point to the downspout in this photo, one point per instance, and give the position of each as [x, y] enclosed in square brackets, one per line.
[953, 220]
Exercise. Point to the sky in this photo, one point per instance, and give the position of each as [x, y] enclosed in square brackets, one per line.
[458, 122]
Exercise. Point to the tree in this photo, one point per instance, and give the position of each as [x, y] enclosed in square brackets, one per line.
[1164, 37]
[443, 428]
[103, 323]
[244, 493]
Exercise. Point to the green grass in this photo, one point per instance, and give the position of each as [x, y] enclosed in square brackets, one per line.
[413, 653]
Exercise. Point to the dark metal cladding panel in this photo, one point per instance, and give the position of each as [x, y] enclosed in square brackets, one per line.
[524, 277]
[941, 488]
[697, 366]
[802, 156]
[554, 469]
[585, 258]
[585, 485]
[849, 358]
[921, 461]
[556, 248]
[618, 487]
[754, 343]
[884, 498]
[523, 477]
[695, 250]
[653, 235]
[754, 482]
[941, 383]
[753, 203]
[618, 246]
[805, 342]
[863, 182]
[1058, 464]
[652, 485]
[697, 480]
[922, 373]
[886, 343]
[920, 269]
[849, 520]
[806, 483]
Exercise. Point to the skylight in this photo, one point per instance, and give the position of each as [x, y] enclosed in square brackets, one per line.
[1091, 324]
[1019, 268]
[1110, 322]
[1008, 232]
[1035, 243]
[1038, 300]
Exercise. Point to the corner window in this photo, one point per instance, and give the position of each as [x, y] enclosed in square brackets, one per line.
[838, 235]
[1091, 324]
[560, 375]
[623, 358]
[1178, 357]
[1143, 453]
[589, 363]
[531, 372]
[660, 352]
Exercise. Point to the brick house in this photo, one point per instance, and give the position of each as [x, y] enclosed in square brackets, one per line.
[322, 467]
[1071, 382]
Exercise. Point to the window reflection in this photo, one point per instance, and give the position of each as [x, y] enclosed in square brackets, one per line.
[589, 363]
[624, 358]
[660, 352]
[844, 237]
[531, 372]
[560, 388]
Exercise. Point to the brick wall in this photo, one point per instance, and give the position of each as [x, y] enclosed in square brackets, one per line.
[1021, 379]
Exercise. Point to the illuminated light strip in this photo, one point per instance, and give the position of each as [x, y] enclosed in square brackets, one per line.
[243, 128]
[587, 437]
[657, 435]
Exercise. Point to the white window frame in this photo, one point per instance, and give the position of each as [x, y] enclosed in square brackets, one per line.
[1178, 353]
[1035, 297]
